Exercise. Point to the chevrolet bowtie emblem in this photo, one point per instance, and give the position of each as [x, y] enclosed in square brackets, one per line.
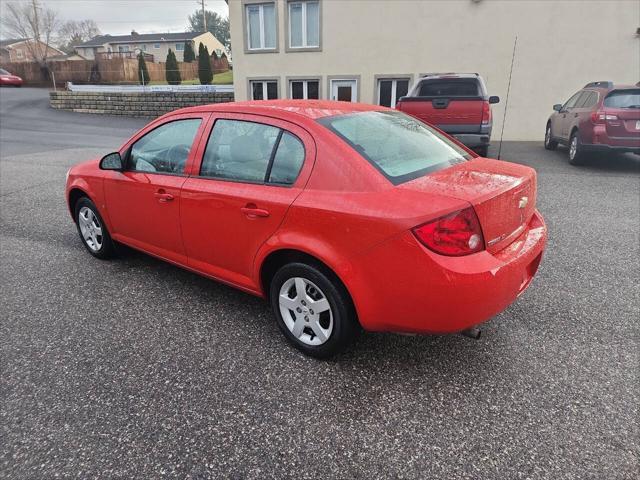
[523, 202]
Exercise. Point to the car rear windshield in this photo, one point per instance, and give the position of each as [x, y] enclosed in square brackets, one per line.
[401, 147]
[623, 99]
[455, 87]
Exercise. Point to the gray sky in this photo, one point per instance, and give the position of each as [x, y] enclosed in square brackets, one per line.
[119, 17]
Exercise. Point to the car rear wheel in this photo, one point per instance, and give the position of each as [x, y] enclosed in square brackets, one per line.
[549, 142]
[92, 229]
[313, 310]
[576, 154]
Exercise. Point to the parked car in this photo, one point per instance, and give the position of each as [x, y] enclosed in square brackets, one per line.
[456, 103]
[341, 215]
[602, 117]
[9, 79]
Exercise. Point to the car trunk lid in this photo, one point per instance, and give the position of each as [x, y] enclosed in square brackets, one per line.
[502, 194]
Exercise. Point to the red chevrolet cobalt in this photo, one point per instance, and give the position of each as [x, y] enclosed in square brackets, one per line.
[341, 215]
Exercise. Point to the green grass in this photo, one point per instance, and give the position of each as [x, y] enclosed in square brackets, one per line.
[224, 78]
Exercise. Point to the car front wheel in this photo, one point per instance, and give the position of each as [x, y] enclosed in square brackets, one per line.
[549, 142]
[92, 230]
[313, 310]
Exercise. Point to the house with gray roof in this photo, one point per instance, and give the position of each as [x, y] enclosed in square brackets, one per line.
[156, 45]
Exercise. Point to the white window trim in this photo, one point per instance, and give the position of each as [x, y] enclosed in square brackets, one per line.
[304, 24]
[261, 20]
[394, 86]
[264, 83]
[305, 87]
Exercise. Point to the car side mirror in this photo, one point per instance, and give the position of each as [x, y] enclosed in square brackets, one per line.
[113, 161]
[557, 107]
[494, 99]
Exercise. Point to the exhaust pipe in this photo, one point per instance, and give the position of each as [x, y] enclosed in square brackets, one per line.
[473, 332]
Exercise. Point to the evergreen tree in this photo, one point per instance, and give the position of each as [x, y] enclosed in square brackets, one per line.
[204, 65]
[143, 73]
[172, 72]
[214, 55]
[189, 54]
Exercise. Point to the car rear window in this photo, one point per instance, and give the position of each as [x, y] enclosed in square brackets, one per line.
[401, 147]
[449, 88]
[623, 99]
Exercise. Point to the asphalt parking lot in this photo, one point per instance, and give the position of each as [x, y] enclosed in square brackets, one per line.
[133, 368]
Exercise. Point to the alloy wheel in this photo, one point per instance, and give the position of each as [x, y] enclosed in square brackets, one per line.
[306, 311]
[90, 228]
[573, 148]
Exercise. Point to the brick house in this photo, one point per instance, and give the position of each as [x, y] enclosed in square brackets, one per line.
[20, 50]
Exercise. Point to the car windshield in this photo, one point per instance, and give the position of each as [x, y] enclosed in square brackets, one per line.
[623, 99]
[4, 72]
[401, 147]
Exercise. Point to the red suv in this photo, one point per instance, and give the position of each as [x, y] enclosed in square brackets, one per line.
[601, 117]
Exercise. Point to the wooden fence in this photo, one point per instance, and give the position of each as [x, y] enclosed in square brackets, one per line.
[102, 71]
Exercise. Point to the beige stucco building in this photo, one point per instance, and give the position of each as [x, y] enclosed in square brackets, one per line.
[308, 48]
[156, 44]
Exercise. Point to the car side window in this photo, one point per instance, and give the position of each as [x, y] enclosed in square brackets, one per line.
[253, 152]
[588, 101]
[571, 103]
[287, 161]
[165, 149]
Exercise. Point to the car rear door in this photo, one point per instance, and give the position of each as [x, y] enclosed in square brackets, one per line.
[251, 170]
[622, 117]
[454, 105]
[143, 201]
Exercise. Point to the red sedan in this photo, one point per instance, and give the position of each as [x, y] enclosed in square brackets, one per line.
[7, 78]
[341, 215]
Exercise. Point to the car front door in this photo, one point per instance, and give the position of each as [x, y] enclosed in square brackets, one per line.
[251, 171]
[143, 201]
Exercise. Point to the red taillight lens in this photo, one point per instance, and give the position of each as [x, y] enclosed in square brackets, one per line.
[456, 234]
[486, 113]
[598, 117]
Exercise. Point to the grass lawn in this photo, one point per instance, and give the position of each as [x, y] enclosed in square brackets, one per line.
[224, 78]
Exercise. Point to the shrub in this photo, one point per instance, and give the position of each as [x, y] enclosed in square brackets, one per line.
[204, 65]
[172, 72]
[189, 54]
[143, 73]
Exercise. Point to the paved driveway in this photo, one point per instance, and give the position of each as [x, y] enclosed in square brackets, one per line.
[135, 369]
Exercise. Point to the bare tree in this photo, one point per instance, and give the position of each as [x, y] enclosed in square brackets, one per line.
[73, 32]
[32, 21]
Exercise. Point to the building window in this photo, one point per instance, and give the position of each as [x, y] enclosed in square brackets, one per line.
[179, 47]
[218, 52]
[264, 89]
[19, 53]
[304, 89]
[261, 26]
[390, 90]
[123, 48]
[156, 46]
[304, 24]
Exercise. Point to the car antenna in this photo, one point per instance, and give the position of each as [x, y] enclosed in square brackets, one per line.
[506, 103]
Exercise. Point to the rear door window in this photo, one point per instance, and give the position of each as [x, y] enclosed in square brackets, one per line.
[252, 152]
[449, 88]
[623, 99]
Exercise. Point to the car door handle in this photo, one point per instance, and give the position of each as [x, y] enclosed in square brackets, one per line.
[252, 211]
[162, 196]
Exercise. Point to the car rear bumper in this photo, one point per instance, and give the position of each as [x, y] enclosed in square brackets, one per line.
[404, 287]
[472, 139]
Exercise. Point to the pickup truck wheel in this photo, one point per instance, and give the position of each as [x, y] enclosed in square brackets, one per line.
[549, 142]
[576, 153]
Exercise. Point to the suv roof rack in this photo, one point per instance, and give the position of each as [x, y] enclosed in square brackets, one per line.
[601, 84]
[447, 73]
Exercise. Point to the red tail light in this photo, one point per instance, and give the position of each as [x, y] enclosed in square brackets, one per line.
[456, 234]
[486, 113]
[598, 117]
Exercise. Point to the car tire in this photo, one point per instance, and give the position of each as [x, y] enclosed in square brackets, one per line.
[92, 229]
[483, 150]
[549, 142]
[321, 332]
[576, 154]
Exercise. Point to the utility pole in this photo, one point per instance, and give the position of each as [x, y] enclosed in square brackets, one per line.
[204, 17]
[36, 32]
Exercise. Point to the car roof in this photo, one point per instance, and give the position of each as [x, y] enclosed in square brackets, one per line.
[311, 109]
[439, 76]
